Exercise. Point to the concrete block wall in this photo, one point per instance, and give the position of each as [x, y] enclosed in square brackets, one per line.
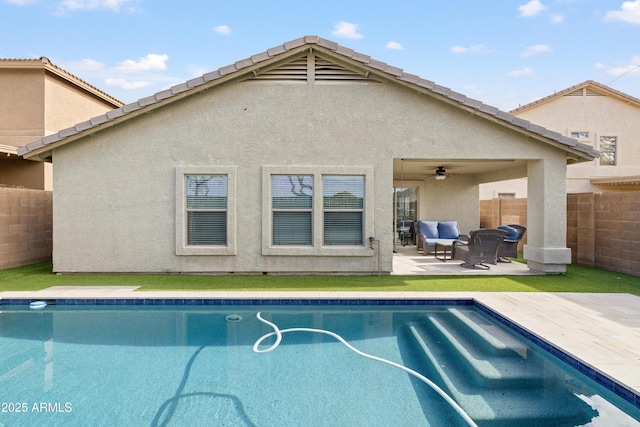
[497, 212]
[25, 226]
[617, 232]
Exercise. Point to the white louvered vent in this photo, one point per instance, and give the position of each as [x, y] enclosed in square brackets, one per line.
[584, 92]
[323, 71]
[590, 92]
[330, 71]
[291, 71]
[578, 92]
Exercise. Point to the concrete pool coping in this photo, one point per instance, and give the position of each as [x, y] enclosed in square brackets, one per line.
[601, 331]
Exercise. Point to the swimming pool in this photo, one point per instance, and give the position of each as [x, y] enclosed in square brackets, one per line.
[180, 364]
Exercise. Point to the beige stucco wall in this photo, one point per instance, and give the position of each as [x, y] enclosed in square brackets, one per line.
[115, 204]
[35, 103]
[21, 106]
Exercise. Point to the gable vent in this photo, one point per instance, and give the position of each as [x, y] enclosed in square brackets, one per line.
[584, 92]
[310, 69]
[329, 71]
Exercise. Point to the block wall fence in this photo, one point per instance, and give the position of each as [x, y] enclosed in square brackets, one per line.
[603, 230]
[25, 226]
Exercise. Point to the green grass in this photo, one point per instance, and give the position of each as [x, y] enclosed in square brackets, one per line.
[576, 279]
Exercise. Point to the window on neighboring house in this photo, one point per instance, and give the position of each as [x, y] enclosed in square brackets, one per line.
[580, 135]
[292, 206]
[608, 147]
[343, 207]
[206, 209]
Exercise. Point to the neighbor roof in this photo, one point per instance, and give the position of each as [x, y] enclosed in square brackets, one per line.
[589, 84]
[44, 63]
[41, 149]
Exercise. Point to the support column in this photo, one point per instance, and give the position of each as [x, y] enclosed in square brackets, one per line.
[546, 249]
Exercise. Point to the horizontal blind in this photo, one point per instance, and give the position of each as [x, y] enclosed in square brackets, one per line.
[206, 209]
[343, 205]
[292, 205]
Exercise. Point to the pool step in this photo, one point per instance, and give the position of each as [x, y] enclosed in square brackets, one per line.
[489, 372]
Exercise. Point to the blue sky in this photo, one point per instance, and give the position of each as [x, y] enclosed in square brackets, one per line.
[504, 53]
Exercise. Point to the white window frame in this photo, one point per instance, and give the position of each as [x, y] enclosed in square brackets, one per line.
[182, 248]
[317, 248]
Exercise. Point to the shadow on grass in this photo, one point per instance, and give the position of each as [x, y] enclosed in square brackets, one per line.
[576, 279]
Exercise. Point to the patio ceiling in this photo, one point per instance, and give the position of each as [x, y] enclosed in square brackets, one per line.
[420, 169]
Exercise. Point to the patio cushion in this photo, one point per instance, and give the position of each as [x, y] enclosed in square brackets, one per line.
[428, 228]
[512, 233]
[448, 230]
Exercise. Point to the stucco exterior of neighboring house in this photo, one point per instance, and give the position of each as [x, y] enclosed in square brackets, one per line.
[38, 98]
[599, 116]
[285, 162]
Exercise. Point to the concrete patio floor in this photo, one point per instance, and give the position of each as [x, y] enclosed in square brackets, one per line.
[408, 261]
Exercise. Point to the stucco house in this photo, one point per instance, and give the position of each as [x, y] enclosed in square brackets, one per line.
[596, 115]
[38, 99]
[286, 162]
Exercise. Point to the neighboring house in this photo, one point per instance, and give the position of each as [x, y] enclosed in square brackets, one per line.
[596, 115]
[285, 162]
[37, 99]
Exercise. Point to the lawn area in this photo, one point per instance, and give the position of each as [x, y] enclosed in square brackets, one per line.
[577, 279]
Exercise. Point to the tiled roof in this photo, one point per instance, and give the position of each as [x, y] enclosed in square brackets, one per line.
[44, 63]
[598, 87]
[330, 48]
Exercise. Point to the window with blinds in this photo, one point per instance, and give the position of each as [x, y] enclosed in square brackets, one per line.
[292, 210]
[206, 207]
[343, 209]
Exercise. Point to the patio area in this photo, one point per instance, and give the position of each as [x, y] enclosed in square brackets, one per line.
[408, 261]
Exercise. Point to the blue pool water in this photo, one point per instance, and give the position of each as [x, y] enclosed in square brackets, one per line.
[183, 365]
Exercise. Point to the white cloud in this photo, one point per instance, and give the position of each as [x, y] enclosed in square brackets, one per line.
[113, 5]
[90, 65]
[557, 19]
[532, 8]
[346, 30]
[536, 49]
[629, 12]
[525, 72]
[631, 67]
[147, 63]
[125, 84]
[222, 29]
[394, 46]
[476, 48]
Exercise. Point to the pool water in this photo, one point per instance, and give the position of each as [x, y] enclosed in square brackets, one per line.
[196, 365]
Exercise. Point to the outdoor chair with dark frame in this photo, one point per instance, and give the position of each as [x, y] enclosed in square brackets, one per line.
[480, 249]
[509, 247]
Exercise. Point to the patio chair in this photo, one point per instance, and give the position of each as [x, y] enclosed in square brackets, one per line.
[480, 249]
[509, 247]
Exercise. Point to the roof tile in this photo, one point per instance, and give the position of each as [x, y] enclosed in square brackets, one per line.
[82, 126]
[211, 76]
[328, 44]
[198, 81]
[274, 51]
[365, 59]
[294, 43]
[227, 70]
[98, 120]
[147, 101]
[244, 63]
[131, 107]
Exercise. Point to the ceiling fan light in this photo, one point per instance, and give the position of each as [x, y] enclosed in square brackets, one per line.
[441, 177]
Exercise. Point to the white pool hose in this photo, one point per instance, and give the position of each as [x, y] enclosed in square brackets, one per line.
[278, 333]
